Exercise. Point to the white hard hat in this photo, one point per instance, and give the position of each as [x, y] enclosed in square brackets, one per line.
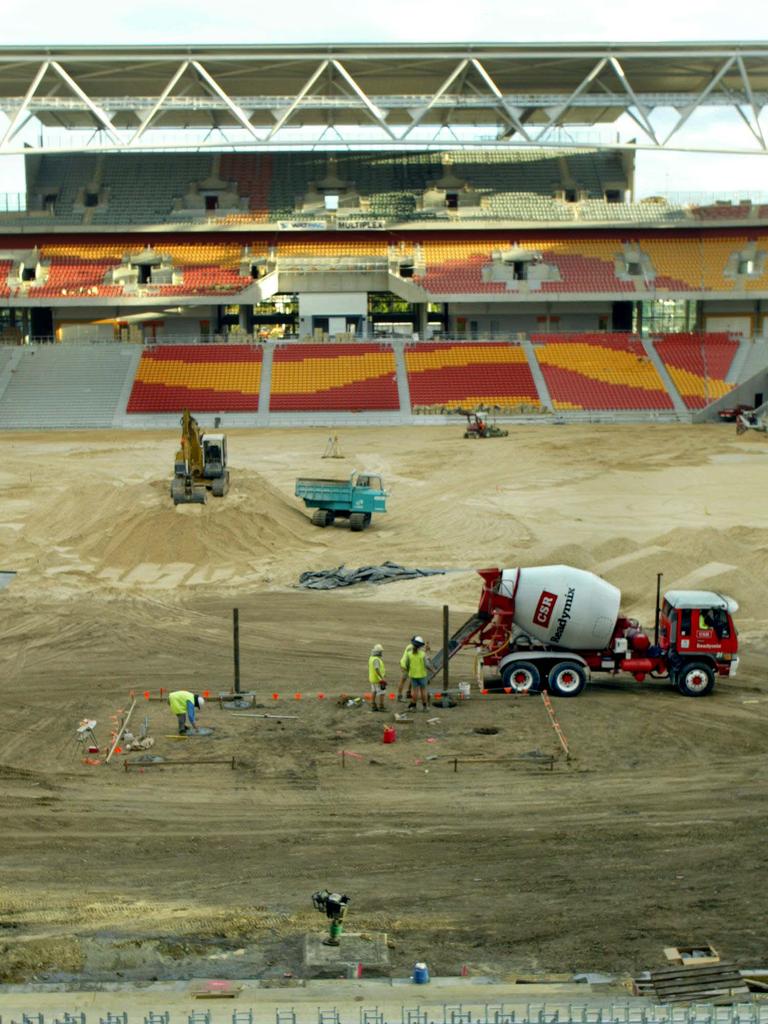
[418, 641]
[377, 649]
[200, 701]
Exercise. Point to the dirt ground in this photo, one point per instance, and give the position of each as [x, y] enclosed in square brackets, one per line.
[652, 834]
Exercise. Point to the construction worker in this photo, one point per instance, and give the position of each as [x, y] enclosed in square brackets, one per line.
[377, 677]
[404, 670]
[185, 705]
[418, 672]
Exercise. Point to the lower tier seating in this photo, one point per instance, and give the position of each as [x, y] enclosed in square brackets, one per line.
[698, 365]
[469, 375]
[203, 378]
[333, 377]
[599, 371]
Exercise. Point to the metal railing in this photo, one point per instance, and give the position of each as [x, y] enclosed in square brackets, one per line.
[637, 1012]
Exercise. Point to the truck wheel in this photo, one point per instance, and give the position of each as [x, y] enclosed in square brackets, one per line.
[696, 679]
[320, 517]
[567, 679]
[521, 677]
[357, 522]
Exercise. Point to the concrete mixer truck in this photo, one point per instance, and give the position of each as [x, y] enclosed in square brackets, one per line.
[552, 626]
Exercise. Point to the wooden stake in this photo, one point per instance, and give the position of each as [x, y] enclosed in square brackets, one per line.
[120, 732]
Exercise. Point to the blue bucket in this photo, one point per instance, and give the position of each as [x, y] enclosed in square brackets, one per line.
[420, 974]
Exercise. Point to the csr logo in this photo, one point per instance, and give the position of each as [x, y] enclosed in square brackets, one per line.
[544, 608]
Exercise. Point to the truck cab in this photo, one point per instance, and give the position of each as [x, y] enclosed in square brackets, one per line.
[699, 639]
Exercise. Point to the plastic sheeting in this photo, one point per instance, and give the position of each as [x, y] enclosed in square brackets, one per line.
[387, 572]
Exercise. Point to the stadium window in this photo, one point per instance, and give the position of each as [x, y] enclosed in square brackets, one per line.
[28, 273]
[746, 265]
[452, 200]
[570, 195]
[144, 271]
[634, 269]
[91, 199]
[613, 195]
[49, 202]
[406, 268]
[212, 202]
[520, 270]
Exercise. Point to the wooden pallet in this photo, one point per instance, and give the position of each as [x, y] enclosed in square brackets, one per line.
[693, 984]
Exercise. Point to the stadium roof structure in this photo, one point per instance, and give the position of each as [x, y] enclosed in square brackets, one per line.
[121, 98]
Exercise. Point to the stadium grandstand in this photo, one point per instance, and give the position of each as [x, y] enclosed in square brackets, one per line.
[386, 275]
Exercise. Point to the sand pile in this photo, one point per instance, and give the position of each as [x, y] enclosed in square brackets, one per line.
[132, 533]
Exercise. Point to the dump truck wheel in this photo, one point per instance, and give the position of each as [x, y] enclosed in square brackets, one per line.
[320, 517]
[521, 677]
[696, 679]
[567, 679]
[357, 522]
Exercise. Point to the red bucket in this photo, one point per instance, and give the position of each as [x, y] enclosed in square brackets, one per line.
[389, 734]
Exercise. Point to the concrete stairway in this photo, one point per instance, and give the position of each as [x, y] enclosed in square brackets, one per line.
[60, 387]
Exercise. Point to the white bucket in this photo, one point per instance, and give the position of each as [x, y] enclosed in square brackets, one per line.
[464, 691]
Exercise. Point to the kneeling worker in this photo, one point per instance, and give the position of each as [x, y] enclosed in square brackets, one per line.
[184, 705]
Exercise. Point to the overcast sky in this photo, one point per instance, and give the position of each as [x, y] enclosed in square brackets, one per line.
[308, 21]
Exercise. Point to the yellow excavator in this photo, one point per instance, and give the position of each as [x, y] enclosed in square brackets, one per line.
[200, 466]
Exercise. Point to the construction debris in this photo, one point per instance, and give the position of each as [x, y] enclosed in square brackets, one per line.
[681, 984]
[387, 572]
[696, 956]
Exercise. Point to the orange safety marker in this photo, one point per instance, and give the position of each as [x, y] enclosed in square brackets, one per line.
[368, 697]
[507, 689]
[484, 693]
[321, 696]
[297, 696]
[391, 696]
[146, 695]
[206, 694]
[275, 696]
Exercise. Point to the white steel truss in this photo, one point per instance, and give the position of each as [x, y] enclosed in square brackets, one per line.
[119, 98]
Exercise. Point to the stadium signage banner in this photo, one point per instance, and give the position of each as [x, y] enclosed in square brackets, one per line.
[301, 225]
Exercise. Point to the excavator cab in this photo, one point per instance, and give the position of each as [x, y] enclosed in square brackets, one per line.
[214, 455]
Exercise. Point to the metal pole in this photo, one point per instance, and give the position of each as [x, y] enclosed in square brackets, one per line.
[659, 578]
[446, 652]
[236, 645]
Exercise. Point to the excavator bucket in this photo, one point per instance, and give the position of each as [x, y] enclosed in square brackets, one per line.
[186, 493]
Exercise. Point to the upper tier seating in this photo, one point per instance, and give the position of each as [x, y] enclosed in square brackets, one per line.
[202, 378]
[698, 365]
[141, 188]
[333, 377]
[455, 374]
[587, 370]
[252, 175]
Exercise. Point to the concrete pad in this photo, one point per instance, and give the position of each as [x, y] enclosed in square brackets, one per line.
[369, 949]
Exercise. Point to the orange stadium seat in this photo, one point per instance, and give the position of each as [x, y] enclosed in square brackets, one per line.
[698, 365]
[599, 371]
[455, 374]
[334, 377]
[203, 378]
